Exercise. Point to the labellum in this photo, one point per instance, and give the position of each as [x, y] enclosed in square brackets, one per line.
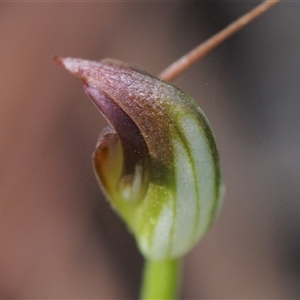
[157, 161]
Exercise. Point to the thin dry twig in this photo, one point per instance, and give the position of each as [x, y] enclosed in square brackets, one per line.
[197, 53]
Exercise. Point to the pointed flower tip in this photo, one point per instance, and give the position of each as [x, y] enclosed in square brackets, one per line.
[73, 65]
[57, 59]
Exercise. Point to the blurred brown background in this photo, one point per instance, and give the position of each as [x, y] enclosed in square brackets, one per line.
[58, 236]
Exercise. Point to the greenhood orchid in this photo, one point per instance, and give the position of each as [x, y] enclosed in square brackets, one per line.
[157, 161]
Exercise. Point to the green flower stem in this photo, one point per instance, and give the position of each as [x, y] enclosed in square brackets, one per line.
[161, 279]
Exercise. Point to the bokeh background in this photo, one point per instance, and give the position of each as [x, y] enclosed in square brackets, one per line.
[58, 235]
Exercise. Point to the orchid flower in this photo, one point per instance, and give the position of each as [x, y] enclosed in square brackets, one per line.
[157, 161]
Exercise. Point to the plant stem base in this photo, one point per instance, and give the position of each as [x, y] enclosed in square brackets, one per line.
[161, 279]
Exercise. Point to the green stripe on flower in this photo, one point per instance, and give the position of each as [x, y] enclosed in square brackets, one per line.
[158, 162]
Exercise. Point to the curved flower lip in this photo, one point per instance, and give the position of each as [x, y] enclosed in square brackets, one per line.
[135, 170]
[134, 149]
